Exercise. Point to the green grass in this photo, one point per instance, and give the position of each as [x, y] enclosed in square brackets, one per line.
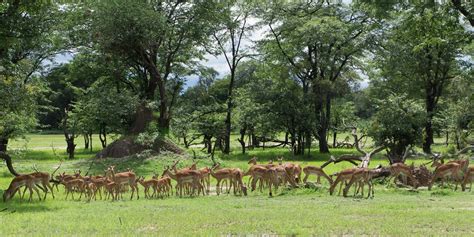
[303, 211]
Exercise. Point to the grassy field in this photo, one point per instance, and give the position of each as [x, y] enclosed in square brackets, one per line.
[303, 211]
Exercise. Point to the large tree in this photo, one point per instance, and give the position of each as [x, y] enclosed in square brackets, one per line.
[230, 37]
[26, 39]
[320, 43]
[420, 55]
[153, 38]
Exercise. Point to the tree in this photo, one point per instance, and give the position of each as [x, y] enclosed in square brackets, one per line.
[419, 56]
[320, 44]
[397, 124]
[229, 36]
[153, 38]
[27, 39]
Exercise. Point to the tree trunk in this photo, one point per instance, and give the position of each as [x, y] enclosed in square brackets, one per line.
[228, 125]
[86, 141]
[90, 141]
[323, 143]
[334, 139]
[242, 139]
[143, 116]
[185, 142]
[70, 146]
[3, 144]
[447, 138]
[103, 135]
[430, 106]
[8, 160]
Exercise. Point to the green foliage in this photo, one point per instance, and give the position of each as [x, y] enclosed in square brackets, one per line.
[397, 124]
[19, 103]
[103, 106]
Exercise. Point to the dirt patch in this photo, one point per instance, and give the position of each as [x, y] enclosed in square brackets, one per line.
[127, 146]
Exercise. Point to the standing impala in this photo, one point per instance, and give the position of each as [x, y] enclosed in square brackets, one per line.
[127, 178]
[468, 178]
[185, 177]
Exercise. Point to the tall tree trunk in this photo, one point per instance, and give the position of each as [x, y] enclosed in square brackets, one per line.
[86, 141]
[242, 139]
[228, 125]
[164, 120]
[447, 138]
[90, 141]
[103, 136]
[430, 106]
[71, 147]
[323, 143]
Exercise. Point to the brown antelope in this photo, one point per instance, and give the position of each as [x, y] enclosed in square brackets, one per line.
[91, 190]
[73, 185]
[111, 189]
[220, 175]
[464, 163]
[362, 176]
[254, 164]
[342, 177]
[309, 170]
[293, 171]
[468, 178]
[18, 182]
[164, 186]
[182, 178]
[237, 183]
[127, 178]
[153, 183]
[445, 170]
[398, 169]
[264, 174]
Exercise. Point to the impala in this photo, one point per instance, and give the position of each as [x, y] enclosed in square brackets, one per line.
[445, 170]
[343, 176]
[398, 169]
[73, 185]
[362, 176]
[309, 170]
[182, 178]
[221, 174]
[127, 178]
[468, 178]
[18, 182]
[147, 184]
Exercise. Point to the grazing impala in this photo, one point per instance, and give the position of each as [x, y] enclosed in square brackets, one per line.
[445, 170]
[309, 170]
[362, 176]
[127, 178]
[398, 169]
[17, 183]
[267, 175]
[293, 170]
[342, 177]
[468, 178]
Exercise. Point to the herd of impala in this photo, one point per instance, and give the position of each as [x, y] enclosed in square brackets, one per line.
[194, 181]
